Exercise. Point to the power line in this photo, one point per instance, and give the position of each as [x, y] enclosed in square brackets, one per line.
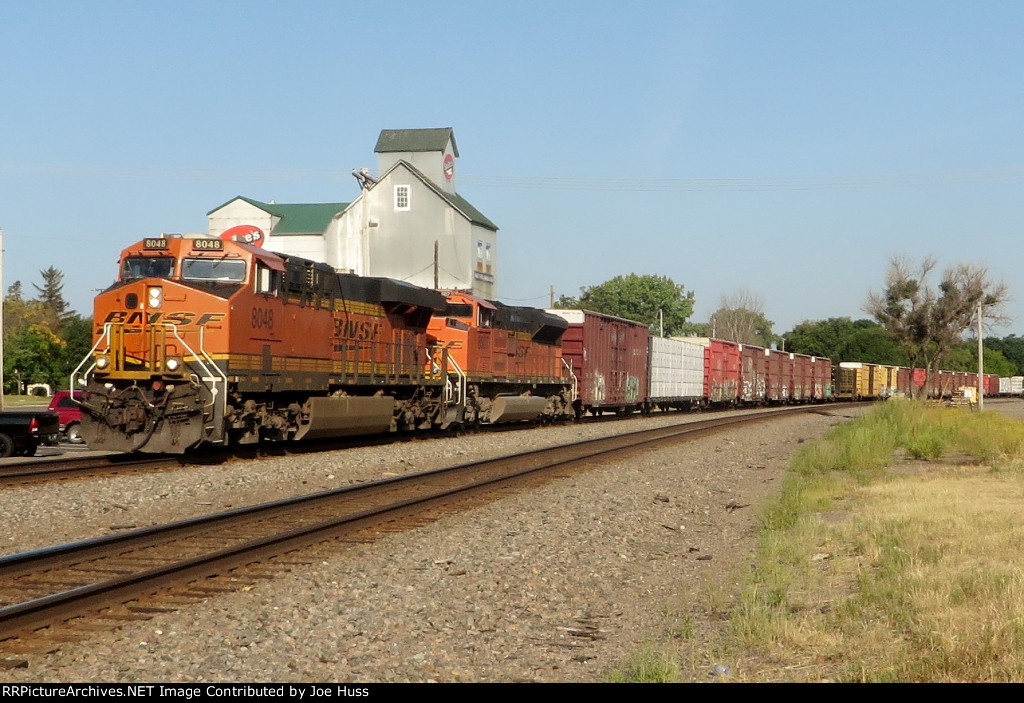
[532, 182]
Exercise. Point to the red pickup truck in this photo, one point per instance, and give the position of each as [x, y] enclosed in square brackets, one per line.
[70, 415]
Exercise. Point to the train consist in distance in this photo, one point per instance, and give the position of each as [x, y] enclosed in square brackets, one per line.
[204, 341]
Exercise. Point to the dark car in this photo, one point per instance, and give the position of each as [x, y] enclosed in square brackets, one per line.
[70, 415]
[22, 432]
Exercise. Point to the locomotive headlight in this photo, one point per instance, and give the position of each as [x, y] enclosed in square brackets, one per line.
[102, 362]
[155, 297]
[173, 364]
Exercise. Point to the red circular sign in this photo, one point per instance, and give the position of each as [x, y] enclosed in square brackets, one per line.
[449, 166]
[246, 234]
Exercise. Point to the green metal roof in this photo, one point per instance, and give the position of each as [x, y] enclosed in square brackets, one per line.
[463, 206]
[415, 140]
[297, 218]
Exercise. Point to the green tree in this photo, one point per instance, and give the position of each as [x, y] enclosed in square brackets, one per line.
[1012, 347]
[653, 300]
[844, 339]
[77, 337]
[35, 355]
[964, 357]
[44, 339]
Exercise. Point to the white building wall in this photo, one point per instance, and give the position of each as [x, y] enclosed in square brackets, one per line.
[429, 163]
[239, 212]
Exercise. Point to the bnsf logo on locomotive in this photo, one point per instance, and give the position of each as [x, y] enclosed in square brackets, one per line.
[183, 319]
[355, 329]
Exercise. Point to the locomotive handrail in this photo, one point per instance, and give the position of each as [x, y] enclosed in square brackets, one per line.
[88, 357]
[461, 390]
[208, 375]
[575, 381]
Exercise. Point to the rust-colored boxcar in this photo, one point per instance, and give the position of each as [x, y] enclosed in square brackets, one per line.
[811, 378]
[754, 371]
[608, 356]
[779, 378]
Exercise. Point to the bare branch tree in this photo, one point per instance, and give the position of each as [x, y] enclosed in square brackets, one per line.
[741, 318]
[927, 322]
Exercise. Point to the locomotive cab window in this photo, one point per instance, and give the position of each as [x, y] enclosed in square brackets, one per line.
[136, 267]
[213, 270]
[486, 318]
[268, 281]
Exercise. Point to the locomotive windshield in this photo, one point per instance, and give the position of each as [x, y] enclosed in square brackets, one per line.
[147, 267]
[458, 310]
[213, 270]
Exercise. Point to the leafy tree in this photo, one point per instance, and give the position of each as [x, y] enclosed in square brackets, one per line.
[964, 357]
[741, 318]
[77, 336]
[1012, 347]
[20, 313]
[35, 355]
[843, 339]
[926, 321]
[44, 340]
[640, 298]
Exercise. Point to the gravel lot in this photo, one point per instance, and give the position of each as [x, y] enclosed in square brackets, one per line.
[562, 583]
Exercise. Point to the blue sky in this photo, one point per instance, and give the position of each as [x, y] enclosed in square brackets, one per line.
[786, 148]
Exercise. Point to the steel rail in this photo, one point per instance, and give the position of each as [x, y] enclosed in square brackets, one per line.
[289, 524]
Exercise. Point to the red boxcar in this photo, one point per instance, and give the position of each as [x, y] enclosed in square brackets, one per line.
[723, 380]
[608, 355]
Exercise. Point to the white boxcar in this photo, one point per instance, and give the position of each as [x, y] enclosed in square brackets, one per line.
[1004, 385]
[676, 373]
[1016, 385]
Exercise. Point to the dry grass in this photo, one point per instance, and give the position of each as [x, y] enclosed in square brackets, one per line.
[914, 575]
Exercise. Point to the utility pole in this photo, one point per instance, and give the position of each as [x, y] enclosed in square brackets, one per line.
[551, 297]
[981, 364]
[436, 266]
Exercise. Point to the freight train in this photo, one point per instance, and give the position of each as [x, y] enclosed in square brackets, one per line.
[204, 341]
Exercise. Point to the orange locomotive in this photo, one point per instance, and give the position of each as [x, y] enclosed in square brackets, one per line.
[204, 341]
[508, 360]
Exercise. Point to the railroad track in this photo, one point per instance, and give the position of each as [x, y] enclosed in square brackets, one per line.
[128, 572]
[22, 473]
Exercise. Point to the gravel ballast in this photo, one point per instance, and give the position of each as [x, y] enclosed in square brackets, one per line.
[559, 583]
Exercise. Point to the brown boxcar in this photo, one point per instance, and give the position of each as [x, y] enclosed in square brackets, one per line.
[808, 378]
[608, 356]
[754, 371]
[779, 379]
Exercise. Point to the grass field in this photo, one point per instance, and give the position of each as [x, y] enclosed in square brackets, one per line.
[891, 554]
